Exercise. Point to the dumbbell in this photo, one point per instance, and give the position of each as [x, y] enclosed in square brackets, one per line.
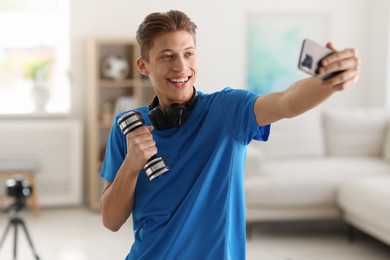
[131, 121]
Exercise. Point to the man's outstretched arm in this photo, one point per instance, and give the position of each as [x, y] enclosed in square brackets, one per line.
[305, 94]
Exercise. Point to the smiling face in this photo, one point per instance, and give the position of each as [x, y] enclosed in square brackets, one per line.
[171, 66]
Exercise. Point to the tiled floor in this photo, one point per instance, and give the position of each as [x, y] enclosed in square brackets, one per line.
[77, 234]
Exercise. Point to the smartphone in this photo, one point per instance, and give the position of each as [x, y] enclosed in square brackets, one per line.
[310, 57]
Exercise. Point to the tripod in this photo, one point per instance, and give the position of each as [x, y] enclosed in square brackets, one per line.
[14, 222]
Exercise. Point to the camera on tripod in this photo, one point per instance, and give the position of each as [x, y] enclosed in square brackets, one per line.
[20, 189]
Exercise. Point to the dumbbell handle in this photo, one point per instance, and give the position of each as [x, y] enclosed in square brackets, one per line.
[128, 123]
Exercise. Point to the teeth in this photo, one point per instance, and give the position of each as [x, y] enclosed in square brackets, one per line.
[182, 80]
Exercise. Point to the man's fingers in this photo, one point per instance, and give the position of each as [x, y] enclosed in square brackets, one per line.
[339, 65]
[342, 80]
[330, 45]
[340, 55]
[140, 143]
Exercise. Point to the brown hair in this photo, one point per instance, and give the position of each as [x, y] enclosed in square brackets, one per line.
[157, 23]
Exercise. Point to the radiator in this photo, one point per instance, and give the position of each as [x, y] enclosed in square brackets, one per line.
[56, 147]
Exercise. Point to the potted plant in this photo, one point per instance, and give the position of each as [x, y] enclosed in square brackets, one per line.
[37, 70]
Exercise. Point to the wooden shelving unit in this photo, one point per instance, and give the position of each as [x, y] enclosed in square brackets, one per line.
[102, 98]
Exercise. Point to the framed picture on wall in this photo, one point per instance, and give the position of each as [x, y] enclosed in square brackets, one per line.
[274, 41]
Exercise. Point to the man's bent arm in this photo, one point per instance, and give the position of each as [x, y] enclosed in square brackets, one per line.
[117, 200]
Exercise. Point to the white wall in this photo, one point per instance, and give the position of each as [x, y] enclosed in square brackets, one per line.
[221, 38]
[379, 52]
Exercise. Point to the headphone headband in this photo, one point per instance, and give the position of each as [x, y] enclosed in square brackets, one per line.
[190, 104]
[175, 115]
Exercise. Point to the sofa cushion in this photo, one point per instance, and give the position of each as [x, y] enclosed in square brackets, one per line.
[351, 132]
[296, 137]
[310, 182]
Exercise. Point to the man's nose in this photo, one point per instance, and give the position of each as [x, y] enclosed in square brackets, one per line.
[180, 64]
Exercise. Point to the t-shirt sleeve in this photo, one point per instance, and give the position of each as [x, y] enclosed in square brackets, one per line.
[114, 154]
[239, 111]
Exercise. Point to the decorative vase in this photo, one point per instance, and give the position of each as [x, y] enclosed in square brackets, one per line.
[40, 97]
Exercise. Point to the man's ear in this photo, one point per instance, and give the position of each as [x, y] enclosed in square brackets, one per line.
[142, 67]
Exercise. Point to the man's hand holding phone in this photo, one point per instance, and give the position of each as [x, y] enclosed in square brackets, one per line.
[337, 69]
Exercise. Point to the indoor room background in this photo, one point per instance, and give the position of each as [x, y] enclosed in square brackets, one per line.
[222, 40]
[57, 146]
[222, 43]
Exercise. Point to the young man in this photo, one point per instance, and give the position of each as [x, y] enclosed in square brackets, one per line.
[195, 210]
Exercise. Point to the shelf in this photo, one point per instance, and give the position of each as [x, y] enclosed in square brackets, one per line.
[104, 96]
[117, 83]
[105, 125]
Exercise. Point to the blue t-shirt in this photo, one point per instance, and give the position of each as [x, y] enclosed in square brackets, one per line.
[196, 210]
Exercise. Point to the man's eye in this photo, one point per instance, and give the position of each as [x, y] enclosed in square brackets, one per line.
[167, 56]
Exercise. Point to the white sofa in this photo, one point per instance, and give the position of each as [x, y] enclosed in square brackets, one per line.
[365, 203]
[312, 166]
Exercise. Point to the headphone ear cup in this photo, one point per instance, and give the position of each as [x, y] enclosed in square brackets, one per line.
[158, 118]
[176, 115]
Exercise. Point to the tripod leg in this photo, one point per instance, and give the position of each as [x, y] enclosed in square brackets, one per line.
[15, 239]
[5, 234]
[29, 239]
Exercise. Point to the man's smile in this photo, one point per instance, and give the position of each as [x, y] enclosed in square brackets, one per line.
[179, 80]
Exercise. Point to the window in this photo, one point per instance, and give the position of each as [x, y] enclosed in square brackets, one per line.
[34, 56]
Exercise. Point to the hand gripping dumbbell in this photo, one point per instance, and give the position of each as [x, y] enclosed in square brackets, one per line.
[131, 121]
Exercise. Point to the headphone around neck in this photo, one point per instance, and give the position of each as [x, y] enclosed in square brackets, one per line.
[174, 116]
